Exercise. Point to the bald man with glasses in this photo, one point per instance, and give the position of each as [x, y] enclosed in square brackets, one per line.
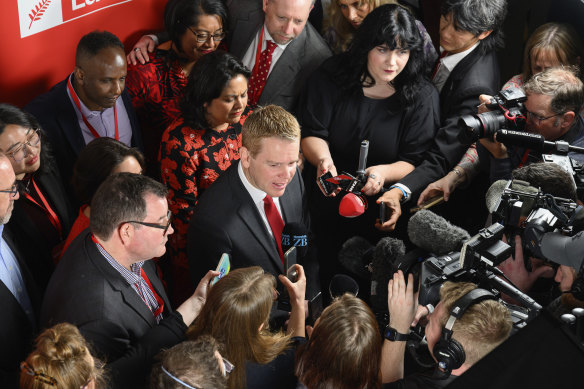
[107, 284]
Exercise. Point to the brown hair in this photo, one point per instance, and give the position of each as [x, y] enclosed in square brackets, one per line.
[236, 307]
[266, 122]
[61, 360]
[482, 327]
[342, 26]
[193, 362]
[557, 39]
[344, 349]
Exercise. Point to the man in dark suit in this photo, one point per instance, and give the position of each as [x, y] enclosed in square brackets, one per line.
[300, 48]
[107, 285]
[18, 292]
[470, 32]
[86, 104]
[232, 215]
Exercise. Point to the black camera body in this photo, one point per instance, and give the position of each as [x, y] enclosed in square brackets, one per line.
[507, 111]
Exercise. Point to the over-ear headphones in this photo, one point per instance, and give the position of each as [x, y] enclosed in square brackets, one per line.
[447, 351]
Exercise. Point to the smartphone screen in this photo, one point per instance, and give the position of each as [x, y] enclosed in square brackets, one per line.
[290, 264]
[223, 268]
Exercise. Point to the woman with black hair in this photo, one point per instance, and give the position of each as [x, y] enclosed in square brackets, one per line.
[375, 91]
[195, 28]
[42, 216]
[199, 145]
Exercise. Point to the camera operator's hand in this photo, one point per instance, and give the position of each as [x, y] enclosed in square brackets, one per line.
[497, 149]
[484, 100]
[391, 198]
[514, 268]
[401, 302]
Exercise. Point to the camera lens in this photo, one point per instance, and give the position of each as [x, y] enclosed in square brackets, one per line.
[484, 125]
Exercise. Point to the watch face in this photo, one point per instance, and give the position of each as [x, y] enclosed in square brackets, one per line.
[392, 335]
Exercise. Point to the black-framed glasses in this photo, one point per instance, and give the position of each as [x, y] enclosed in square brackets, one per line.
[163, 227]
[14, 190]
[534, 117]
[19, 151]
[203, 37]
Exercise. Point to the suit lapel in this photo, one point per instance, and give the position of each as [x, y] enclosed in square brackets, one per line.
[245, 30]
[67, 119]
[248, 212]
[119, 284]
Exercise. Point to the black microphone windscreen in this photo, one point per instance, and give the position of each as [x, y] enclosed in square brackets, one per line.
[435, 234]
[386, 253]
[295, 235]
[496, 190]
[341, 284]
[355, 256]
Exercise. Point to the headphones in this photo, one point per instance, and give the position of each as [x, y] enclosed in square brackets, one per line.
[447, 351]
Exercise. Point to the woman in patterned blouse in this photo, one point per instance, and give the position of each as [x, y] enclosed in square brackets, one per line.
[199, 145]
[195, 28]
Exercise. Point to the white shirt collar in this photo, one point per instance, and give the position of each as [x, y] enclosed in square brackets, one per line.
[450, 61]
[268, 37]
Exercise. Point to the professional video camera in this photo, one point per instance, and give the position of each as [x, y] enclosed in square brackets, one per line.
[507, 112]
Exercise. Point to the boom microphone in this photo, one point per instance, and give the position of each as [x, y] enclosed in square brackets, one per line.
[295, 235]
[498, 187]
[535, 141]
[435, 234]
[356, 255]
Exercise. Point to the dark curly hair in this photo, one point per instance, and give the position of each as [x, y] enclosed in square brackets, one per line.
[207, 79]
[394, 26]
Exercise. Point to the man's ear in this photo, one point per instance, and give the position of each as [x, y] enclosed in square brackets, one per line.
[244, 156]
[568, 119]
[125, 232]
[79, 74]
[265, 4]
[485, 34]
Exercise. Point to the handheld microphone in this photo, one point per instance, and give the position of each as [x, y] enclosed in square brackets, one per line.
[352, 205]
[295, 235]
[386, 253]
[363, 153]
[355, 255]
[341, 284]
[435, 234]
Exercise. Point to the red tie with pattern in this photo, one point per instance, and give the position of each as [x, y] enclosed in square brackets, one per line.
[276, 223]
[258, 78]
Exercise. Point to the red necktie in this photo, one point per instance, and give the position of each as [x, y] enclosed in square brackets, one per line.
[276, 223]
[259, 75]
[444, 54]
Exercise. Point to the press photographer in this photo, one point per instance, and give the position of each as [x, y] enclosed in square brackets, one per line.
[554, 100]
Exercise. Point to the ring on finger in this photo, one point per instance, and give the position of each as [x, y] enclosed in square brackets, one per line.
[136, 49]
[373, 176]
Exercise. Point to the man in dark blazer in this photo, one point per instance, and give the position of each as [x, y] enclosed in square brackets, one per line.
[71, 113]
[107, 285]
[18, 291]
[470, 32]
[286, 21]
[230, 216]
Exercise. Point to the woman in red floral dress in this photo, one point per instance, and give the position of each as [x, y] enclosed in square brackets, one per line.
[195, 28]
[199, 145]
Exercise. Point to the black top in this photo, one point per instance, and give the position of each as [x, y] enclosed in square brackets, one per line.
[345, 118]
[422, 380]
[277, 374]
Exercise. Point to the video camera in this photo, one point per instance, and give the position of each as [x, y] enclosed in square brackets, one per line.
[507, 111]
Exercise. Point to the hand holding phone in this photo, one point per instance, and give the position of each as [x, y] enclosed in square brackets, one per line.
[223, 267]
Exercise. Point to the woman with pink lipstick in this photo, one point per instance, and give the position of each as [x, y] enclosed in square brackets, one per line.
[345, 16]
[195, 28]
[199, 145]
[376, 92]
[42, 216]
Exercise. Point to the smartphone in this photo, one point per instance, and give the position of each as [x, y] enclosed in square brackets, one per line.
[223, 268]
[327, 188]
[315, 308]
[290, 261]
[384, 212]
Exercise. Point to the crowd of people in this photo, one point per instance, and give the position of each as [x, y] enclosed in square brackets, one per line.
[212, 139]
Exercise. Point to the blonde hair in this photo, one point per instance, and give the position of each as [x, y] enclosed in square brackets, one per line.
[557, 39]
[267, 122]
[482, 327]
[61, 360]
[342, 26]
[235, 309]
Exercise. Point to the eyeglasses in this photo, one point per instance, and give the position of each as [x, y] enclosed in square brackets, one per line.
[19, 151]
[14, 190]
[534, 117]
[155, 225]
[203, 37]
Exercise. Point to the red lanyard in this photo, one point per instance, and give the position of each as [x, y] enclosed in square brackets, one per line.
[524, 158]
[89, 126]
[53, 218]
[159, 300]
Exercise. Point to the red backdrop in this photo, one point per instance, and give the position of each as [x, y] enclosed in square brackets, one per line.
[39, 38]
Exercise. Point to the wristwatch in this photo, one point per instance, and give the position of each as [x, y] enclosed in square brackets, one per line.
[392, 335]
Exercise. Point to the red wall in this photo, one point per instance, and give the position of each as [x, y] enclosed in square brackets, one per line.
[30, 65]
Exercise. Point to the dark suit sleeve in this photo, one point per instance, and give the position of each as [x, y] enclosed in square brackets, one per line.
[137, 359]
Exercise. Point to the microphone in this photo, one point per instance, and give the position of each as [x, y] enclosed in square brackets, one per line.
[495, 191]
[386, 253]
[295, 235]
[536, 142]
[351, 206]
[435, 234]
[356, 255]
[341, 284]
